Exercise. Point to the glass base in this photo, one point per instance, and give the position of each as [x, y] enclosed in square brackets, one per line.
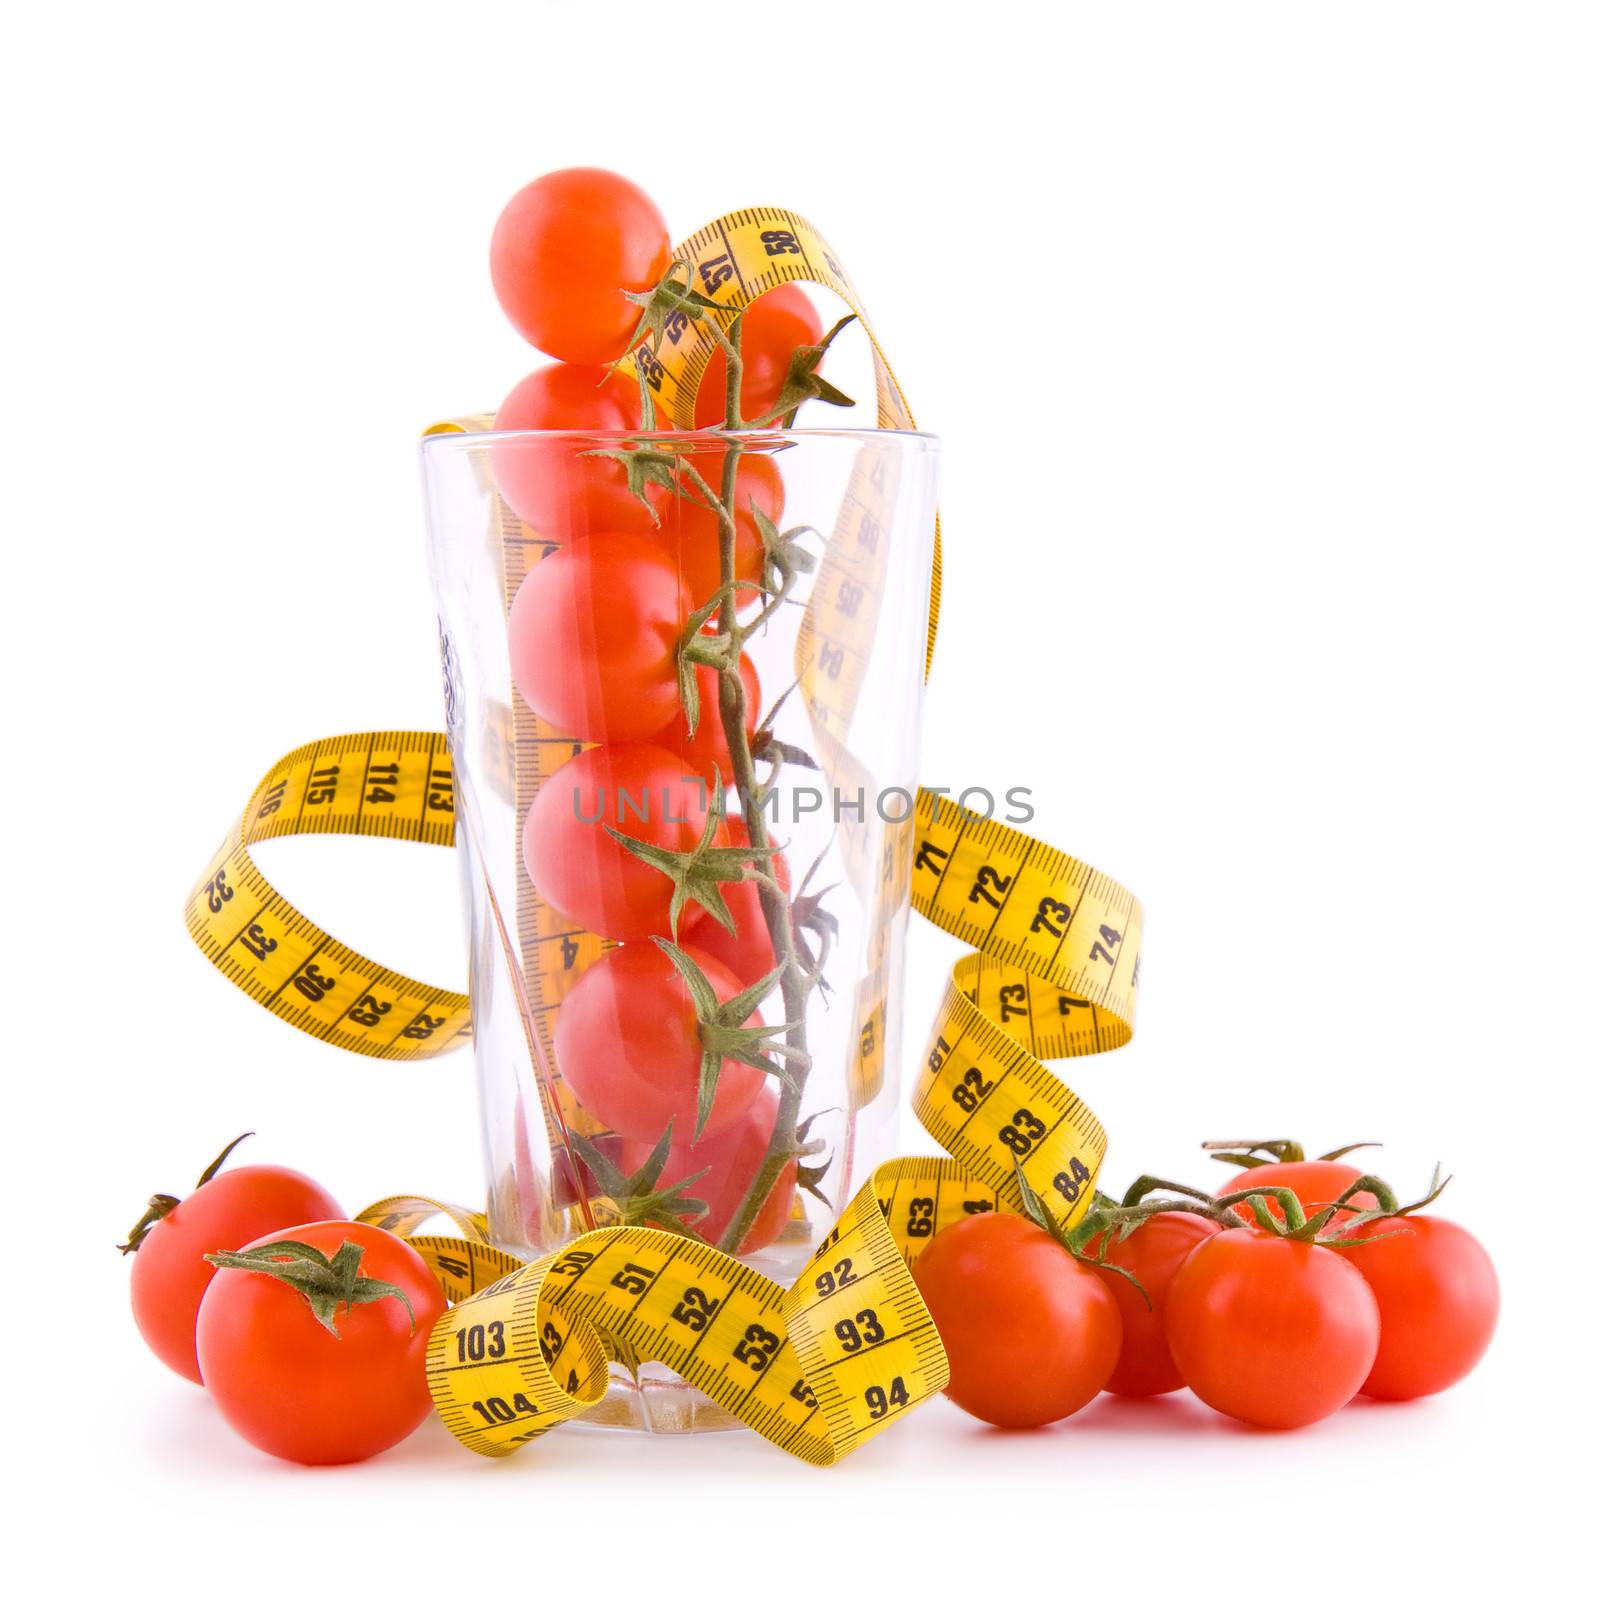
[658, 1401]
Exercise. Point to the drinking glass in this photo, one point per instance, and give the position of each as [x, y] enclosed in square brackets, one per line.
[833, 577]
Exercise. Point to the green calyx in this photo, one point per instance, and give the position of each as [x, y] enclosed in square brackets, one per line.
[635, 1194]
[698, 648]
[1110, 1221]
[698, 875]
[765, 745]
[671, 303]
[803, 382]
[161, 1205]
[323, 1282]
[724, 1031]
[1335, 1225]
[809, 1175]
[649, 465]
[785, 559]
[1037, 1212]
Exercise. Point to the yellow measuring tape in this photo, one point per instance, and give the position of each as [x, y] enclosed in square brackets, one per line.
[818, 1366]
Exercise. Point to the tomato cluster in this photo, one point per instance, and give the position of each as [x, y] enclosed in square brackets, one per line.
[1270, 1324]
[218, 1288]
[594, 635]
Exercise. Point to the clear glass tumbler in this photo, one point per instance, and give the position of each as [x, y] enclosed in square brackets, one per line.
[583, 799]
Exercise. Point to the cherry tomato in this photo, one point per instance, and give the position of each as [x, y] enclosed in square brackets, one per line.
[579, 868]
[1438, 1300]
[692, 529]
[566, 249]
[285, 1383]
[730, 1159]
[628, 1044]
[1271, 1331]
[170, 1270]
[707, 750]
[1315, 1183]
[594, 639]
[1031, 1334]
[1152, 1253]
[556, 485]
[775, 326]
[747, 952]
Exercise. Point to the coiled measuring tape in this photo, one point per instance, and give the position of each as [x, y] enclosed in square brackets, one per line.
[818, 1366]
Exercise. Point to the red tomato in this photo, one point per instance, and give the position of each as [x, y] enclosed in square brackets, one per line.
[579, 868]
[594, 639]
[730, 1159]
[565, 250]
[555, 485]
[1271, 1331]
[775, 327]
[692, 529]
[170, 1270]
[1438, 1298]
[1031, 1334]
[747, 952]
[292, 1388]
[1315, 1183]
[1152, 1253]
[628, 1044]
[707, 751]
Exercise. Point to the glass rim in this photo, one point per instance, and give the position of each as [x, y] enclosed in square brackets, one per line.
[769, 437]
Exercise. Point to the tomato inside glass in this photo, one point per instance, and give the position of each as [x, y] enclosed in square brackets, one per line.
[730, 1159]
[747, 951]
[594, 634]
[706, 750]
[559, 486]
[640, 790]
[628, 1044]
[692, 531]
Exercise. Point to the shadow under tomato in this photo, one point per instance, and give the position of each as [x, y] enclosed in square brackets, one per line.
[1166, 1414]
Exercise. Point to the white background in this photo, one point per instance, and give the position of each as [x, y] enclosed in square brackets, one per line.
[1264, 342]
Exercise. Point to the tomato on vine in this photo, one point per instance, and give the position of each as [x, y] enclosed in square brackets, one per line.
[1153, 1254]
[1273, 1331]
[171, 1241]
[1315, 1183]
[1438, 1301]
[593, 637]
[559, 486]
[1032, 1335]
[313, 1341]
[706, 749]
[747, 951]
[642, 791]
[567, 250]
[692, 530]
[776, 324]
[628, 1042]
[728, 1160]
